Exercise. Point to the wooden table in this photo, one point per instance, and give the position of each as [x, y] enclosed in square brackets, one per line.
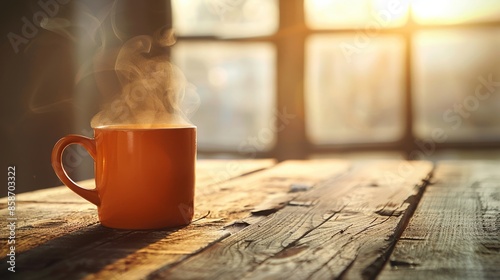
[254, 219]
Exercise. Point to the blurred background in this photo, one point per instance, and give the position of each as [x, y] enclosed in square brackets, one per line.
[289, 79]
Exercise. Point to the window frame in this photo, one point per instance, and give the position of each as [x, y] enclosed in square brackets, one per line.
[289, 42]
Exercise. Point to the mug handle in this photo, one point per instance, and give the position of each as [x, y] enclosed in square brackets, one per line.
[57, 152]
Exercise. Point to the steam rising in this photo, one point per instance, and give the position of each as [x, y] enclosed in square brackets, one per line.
[148, 89]
[153, 89]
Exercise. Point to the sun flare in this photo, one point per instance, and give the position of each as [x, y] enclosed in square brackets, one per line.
[452, 11]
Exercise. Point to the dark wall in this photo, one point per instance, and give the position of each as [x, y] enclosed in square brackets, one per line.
[47, 78]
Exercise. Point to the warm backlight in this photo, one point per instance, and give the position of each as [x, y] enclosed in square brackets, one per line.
[338, 14]
[453, 11]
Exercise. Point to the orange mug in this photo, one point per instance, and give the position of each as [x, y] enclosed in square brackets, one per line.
[145, 177]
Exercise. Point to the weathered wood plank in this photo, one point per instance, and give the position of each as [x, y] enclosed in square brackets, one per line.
[208, 172]
[39, 223]
[455, 231]
[225, 203]
[109, 253]
[343, 227]
[49, 213]
[135, 254]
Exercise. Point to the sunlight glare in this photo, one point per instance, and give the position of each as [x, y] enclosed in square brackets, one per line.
[452, 11]
[337, 14]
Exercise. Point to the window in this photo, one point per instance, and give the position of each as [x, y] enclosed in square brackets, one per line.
[455, 12]
[225, 18]
[357, 75]
[451, 71]
[341, 14]
[350, 98]
[235, 82]
[234, 79]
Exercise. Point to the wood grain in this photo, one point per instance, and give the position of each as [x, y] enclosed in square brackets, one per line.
[345, 226]
[455, 232]
[49, 213]
[92, 251]
[208, 172]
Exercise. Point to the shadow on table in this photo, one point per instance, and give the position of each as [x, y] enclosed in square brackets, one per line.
[77, 254]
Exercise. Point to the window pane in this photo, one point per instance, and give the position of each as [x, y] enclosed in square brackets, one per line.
[369, 14]
[357, 98]
[225, 18]
[453, 11]
[236, 85]
[456, 84]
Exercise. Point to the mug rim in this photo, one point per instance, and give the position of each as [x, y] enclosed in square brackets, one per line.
[143, 127]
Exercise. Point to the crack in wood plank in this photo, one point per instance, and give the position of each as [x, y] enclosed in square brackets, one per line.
[298, 227]
[454, 221]
[143, 252]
